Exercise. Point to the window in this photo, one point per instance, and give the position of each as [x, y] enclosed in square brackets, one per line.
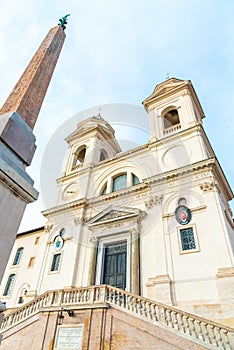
[182, 201]
[56, 262]
[171, 118]
[135, 180]
[104, 190]
[18, 256]
[22, 296]
[37, 239]
[79, 156]
[9, 285]
[31, 262]
[188, 240]
[119, 182]
[103, 155]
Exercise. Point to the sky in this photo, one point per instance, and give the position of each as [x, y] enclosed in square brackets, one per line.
[115, 52]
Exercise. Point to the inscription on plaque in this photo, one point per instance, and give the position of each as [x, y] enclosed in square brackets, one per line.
[69, 338]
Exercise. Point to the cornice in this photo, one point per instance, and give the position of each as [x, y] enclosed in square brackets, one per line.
[103, 162]
[210, 164]
[186, 170]
[65, 207]
[193, 210]
[119, 156]
[121, 193]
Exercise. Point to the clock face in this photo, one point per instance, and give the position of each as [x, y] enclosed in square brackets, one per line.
[71, 191]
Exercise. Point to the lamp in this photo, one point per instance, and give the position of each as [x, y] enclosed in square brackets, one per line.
[61, 317]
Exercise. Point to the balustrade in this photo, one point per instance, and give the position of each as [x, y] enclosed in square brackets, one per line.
[199, 329]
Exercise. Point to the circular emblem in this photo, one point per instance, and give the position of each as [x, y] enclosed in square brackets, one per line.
[58, 243]
[183, 214]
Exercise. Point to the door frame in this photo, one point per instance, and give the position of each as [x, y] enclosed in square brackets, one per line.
[102, 244]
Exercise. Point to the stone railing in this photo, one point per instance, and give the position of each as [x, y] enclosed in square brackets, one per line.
[205, 332]
[172, 129]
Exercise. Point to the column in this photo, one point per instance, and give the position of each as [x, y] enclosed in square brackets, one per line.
[92, 261]
[135, 266]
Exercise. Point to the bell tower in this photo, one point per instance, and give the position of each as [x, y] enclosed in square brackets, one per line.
[91, 143]
[18, 116]
[175, 116]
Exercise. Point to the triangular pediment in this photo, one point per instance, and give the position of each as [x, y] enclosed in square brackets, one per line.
[166, 87]
[114, 214]
[90, 125]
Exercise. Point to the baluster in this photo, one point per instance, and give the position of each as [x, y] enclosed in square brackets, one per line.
[162, 315]
[151, 306]
[168, 318]
[227, 340]
[117, 298]
[155, 312]
[192, 329]
[142, 304]
[218, 336]
[212, 335]
[128, 302]
[85, 295]
[138, 303]
[134, 305]
[174, 318]
[186, 324]
[181, 326]
[199, 329]
[147, 309]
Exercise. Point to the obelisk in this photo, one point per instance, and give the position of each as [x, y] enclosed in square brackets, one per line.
[17, 141]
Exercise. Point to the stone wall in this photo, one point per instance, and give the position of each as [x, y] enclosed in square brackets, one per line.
[103, 328]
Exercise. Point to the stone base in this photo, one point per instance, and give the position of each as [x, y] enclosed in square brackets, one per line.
[17, 146]
[159, 289]
[225, 285]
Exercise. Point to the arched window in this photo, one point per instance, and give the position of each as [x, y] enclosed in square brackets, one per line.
[9, 285]
[104, 189]
[79, 156]
[135, 180]
[119, 182]
[103, 154]
[18, 256]
[171, 118]
[22, 296]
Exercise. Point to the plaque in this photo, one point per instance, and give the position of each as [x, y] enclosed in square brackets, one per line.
[69, 338]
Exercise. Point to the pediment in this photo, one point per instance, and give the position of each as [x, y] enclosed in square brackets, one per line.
[114, 214]
[90, 124]
[166, 87]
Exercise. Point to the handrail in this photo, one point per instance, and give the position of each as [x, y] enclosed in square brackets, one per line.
[196, 328]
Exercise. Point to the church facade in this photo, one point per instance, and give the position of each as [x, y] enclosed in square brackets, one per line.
[153, 221]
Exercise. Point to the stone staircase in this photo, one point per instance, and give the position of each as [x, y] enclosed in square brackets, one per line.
[208, 334]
